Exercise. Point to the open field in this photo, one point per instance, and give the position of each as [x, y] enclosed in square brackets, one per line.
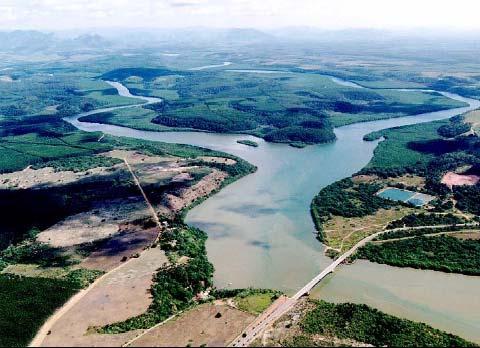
[119, 295]
[212, 325]
[342, 233]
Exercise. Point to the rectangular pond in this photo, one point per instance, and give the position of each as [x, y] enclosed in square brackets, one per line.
[406, 196]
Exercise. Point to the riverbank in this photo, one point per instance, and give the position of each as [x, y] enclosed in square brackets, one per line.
[278, 249]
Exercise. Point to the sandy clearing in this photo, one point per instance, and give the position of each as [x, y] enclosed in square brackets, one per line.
[453, 179]
[30, 178]
[211, 159]
[198, 326]
[136, 157]
[119, 295]
[185, 197]
[96, 224]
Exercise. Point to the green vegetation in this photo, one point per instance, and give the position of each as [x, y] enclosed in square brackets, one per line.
[440, 253]
[419, 232]
[423, 219]
[347, 199]
[79, 164]
[280, 107]
[25, 303]
[467, 198]
[456, 127]
[248, 143]
[368, 325]
[174, 286]
[255, 301]
[399, 151]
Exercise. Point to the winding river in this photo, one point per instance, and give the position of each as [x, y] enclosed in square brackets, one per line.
[261, 233]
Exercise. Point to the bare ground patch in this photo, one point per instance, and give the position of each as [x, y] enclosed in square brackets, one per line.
[112, 252]
[46, 177]
[99, 223]
[453, 179]
[213, 325]
[119, 295]
[187, 196]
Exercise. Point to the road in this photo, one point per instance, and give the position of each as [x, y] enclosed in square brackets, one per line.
[46, 327]
[277, 309]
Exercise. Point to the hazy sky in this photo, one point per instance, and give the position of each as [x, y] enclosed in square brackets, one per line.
[332, 14]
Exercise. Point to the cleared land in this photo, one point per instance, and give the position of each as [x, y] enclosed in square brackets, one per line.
[342, 233]
[453, 179]
[213, 325]
[119, 295]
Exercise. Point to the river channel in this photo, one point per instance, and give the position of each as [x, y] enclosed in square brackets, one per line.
[261, 233]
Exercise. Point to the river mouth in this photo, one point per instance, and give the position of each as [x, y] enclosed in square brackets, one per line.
[260, 230]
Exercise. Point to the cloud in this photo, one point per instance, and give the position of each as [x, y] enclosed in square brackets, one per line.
[60, 14]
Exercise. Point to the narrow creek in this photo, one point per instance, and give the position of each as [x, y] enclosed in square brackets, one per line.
[261, 233]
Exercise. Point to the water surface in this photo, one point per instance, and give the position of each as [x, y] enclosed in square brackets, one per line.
[261, 233]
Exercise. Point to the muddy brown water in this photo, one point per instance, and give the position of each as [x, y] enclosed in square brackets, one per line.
[261, 233]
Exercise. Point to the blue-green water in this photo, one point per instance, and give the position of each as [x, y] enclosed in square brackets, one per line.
[395, 194]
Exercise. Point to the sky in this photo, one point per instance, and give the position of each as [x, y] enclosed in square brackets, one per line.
[262, 14]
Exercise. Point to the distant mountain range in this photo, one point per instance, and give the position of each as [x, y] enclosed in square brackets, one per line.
[30, 41]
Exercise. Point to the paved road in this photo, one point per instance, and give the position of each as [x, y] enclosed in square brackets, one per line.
[276, 310]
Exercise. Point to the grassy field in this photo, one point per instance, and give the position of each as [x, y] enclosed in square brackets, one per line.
[255, 302]
[473, 118]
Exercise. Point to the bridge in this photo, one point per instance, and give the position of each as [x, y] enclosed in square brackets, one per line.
[284, 303]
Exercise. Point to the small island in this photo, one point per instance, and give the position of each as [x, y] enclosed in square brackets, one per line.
[248, 143]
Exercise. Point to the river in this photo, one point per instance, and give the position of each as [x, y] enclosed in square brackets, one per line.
[261, 233]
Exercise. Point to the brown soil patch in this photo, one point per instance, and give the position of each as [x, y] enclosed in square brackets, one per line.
[408, 180]
[474, 235]
[453, 179]
[119, 295]
[197, 327]
[135, 157]
[109, 254]
[100, 223]
[185, 197]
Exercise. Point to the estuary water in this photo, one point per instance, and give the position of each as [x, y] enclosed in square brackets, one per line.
[261, 233]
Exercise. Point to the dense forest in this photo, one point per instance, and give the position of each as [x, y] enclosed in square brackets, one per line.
[442, 253]
[423, 219]
[368, 325]
[25, 303]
